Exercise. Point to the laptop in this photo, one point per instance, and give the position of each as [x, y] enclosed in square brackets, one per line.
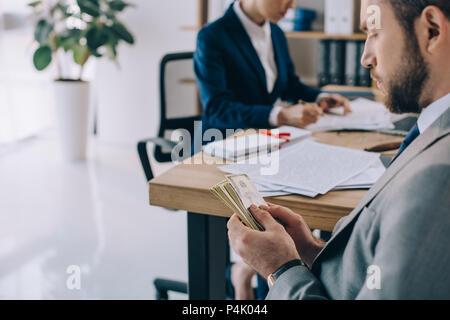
[401, 126]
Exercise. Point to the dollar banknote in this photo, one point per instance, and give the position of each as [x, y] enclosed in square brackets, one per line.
[238, 192]
[246, 190]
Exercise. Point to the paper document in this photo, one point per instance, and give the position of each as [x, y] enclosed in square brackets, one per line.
[274, 193]
[311, 168]
[265, 188]
[366, 115]
[366, 179]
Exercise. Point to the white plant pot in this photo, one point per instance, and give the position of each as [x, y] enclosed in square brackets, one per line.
[72, 109]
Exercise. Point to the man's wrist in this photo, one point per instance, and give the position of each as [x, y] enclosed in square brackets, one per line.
[310, 252]
[285, 267]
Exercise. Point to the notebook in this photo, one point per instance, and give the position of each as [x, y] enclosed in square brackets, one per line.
[244, 146]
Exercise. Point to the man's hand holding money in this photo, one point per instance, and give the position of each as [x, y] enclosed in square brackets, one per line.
[279, 243]
[264, 251]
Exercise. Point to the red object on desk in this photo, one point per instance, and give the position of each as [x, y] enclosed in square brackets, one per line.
[282, 135]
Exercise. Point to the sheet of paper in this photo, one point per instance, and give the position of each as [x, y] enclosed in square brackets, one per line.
[274, 193]
[310, 166]
[266, 188]
[367, 177]
[364, 180]
[302, 192]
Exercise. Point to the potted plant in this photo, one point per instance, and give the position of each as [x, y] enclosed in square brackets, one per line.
[81, 29]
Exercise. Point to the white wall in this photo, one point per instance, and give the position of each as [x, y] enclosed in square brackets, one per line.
[25, 94]
[129, 97]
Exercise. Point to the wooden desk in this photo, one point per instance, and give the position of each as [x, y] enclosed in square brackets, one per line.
[186, 187]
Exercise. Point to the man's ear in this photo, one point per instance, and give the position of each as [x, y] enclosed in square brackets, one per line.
[433, 28]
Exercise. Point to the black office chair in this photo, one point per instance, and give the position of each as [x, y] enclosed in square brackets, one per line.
[180, 107]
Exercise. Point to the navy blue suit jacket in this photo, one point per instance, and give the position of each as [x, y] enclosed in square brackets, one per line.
[231, 78]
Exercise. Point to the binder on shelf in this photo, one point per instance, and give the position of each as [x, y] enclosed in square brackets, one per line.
[323, 67]
[352, 63]
[364, 73]
[341, 16]
[337, 61]
[331, 17]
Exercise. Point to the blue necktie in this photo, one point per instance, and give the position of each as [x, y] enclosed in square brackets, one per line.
[413, 134]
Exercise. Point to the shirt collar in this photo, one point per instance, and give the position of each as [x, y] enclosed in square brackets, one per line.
[251, 27]
[431, 113]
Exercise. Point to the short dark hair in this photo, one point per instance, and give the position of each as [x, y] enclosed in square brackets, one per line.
[407, 11]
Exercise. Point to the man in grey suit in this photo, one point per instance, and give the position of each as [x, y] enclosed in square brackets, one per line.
[394, 245]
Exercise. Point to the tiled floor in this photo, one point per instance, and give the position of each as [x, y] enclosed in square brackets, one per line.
[93, 215]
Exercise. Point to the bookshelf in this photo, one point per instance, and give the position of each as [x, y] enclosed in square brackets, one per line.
[203, 6]
[319, 35]
[344, 88]
[379, 96]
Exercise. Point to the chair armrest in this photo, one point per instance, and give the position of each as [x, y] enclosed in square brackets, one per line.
[143, 155]
[164, 143]
[163, 286]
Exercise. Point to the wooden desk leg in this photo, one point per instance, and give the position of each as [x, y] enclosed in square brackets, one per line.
[207, 255]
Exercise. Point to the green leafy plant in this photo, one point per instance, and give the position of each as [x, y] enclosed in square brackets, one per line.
[83, 28]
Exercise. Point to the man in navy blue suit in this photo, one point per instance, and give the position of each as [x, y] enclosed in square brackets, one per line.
[243, 69]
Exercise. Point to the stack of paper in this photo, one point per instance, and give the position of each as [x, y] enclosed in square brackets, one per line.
[243, 146]
[310, 168]
[366, 179]
[238, 192]
[366, 115]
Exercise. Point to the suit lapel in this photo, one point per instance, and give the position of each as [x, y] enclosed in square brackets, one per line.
[438, 130]
[277, 50]
[242, 40]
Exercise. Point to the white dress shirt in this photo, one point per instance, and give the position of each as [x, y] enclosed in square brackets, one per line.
[431, 113]
[261, 38]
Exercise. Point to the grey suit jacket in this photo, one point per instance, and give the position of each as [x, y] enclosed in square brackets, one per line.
[395, 244]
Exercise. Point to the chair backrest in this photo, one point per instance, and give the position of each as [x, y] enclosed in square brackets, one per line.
[179, 100]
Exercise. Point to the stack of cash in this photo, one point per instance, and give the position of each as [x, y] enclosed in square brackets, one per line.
[238, 192]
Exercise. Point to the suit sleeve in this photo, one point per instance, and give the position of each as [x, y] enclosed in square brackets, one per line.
[297, 283]
[296, 90]
[412, 256]
[221, 108]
